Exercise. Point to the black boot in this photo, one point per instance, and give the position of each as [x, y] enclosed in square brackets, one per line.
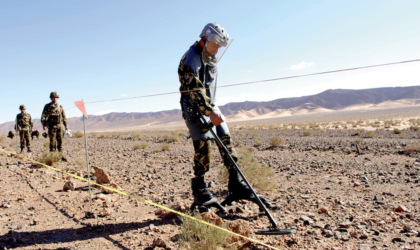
[200, 191]
[238, 186]
[21, 150]
[29, 150]
[239, 190]
[203, 197]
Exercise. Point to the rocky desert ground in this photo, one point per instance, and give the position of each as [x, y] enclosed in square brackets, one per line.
[341, 187]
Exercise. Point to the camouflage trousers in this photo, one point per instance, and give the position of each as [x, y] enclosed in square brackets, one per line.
[25, 137]
[202, 155]
[56, 135]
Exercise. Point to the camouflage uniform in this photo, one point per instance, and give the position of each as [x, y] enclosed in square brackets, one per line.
[54, 118]
[24, 122]
[198, 81]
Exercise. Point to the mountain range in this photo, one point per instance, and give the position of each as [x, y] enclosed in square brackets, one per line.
[327, 101]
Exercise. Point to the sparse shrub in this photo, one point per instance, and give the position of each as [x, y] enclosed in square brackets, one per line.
[398, 131]
[258, 143]
[415, 128]
[77, 149]
[80, 161]
[171, 138]
[261, 177]
[358, 139]
[140, 146]
[276, 141]
[164, 147]
[3, 138]
[78, 134]
[412, 149]
[307, 133]
[370, 134]
[252, 134]
[239, 143]
[137, 134]
[348, 151]
[196, 235]
[94, 134]
[183, 134]
[324, 131]
[50, 158]
[46, 145]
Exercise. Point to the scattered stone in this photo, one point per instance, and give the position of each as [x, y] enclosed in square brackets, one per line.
[158, 242]
[106, 212]
[90, 215]
[377, 239]
[101, 176]
[240, 227]
[324, 209]
[108, 191]
[346, 224]
[212, 217]
[35, 221]
[401, 209]
[68, 186]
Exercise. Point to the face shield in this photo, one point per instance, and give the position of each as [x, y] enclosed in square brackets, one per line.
[215, 48]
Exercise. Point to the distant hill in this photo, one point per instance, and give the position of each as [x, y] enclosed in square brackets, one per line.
[327, 101]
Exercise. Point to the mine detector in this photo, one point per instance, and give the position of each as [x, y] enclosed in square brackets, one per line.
[273, 230]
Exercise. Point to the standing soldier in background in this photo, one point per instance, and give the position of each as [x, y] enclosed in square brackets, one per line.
[24, 126]
[54, 118]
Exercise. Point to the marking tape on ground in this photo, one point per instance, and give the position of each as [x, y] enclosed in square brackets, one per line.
[141, 199]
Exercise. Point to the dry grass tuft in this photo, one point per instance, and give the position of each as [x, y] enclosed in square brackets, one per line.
[50, 158]
[276, 141]
[258, 143]
[164, 147]
[261, 177]
[46, 145]
[171, 138]
[77, 149]
[370, 134]
[78, 134]
[81, 162]
[3, 137]
[196, 235]
[307, 133]
[137, 134]
[94, 134]
[140, 146]
[412, 149]
[415, 128]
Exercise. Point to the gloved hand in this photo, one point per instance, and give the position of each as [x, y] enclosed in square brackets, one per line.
[216, 118]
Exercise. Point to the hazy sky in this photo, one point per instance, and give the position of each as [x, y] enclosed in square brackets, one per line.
[99, 50]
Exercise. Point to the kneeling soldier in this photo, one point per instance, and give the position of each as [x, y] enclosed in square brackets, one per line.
[24, 126]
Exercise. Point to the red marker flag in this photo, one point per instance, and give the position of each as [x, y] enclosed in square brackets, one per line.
[81, 106]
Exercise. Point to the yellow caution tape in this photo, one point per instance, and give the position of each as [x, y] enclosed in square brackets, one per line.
[143, 200]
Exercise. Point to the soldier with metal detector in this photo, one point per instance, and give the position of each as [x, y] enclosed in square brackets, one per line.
[53, 117]
[24, 125]
[197, 73]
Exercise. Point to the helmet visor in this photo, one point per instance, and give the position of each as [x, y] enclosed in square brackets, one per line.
[222, 50]
[214, 51]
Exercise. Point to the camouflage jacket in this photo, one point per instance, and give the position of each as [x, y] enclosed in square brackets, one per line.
[198, 81]
[53, 116]
[24, 121]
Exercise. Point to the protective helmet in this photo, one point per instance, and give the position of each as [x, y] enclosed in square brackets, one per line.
[54, 94]
[22, 107]
[216, 33]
